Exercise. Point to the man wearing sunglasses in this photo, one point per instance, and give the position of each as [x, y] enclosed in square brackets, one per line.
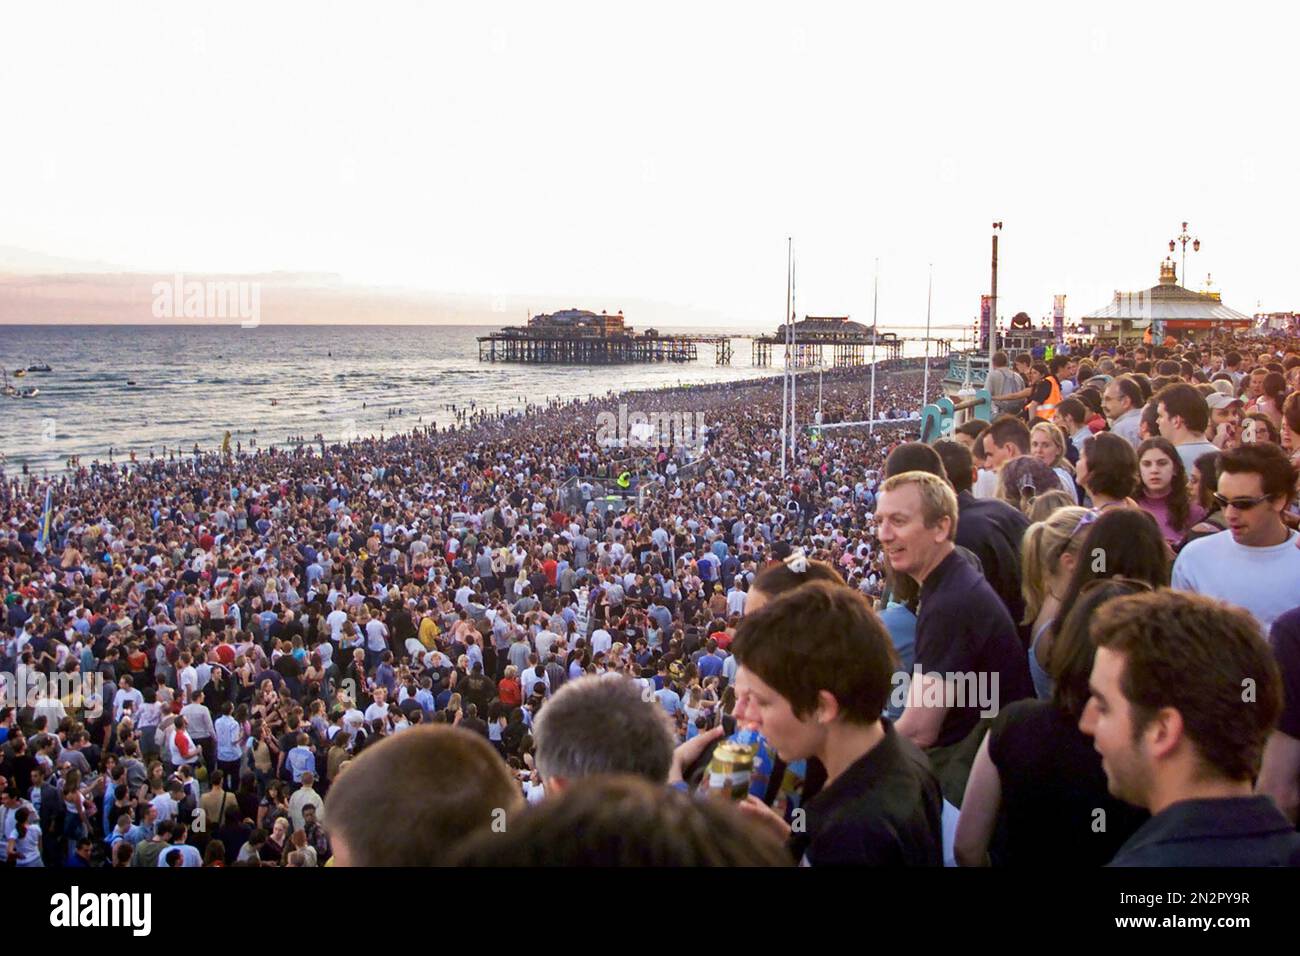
[1255, 564]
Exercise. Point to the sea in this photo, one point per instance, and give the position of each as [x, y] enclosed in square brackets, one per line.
[159, 388]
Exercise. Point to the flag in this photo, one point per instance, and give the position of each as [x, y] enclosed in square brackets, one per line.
[43, 541]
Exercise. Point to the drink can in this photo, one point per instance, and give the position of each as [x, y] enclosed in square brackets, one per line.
[731, 768]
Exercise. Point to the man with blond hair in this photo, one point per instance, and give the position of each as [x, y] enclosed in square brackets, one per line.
[970, 661]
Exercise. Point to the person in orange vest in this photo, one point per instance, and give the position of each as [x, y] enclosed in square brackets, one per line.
[1044, 392]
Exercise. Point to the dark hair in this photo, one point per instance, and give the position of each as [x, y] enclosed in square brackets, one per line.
[1069, 660]
[1008, 429]
[1074, 408]
[974, 428]
[778, 579]
[914, 456]
[1207, 466]
[820, 637]
[1091, 398]
[1195, 654]
[1177, 500]
[1123, 542]
[957, 463]
[1184, 401]
[1112, 465]
[624, 822]
[1276, 473]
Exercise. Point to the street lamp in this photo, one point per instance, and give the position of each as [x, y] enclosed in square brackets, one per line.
[1184, 238]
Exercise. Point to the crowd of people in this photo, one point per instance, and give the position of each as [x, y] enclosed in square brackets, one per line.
[1068, 635]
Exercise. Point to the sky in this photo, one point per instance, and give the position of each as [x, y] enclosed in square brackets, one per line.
[599, 155]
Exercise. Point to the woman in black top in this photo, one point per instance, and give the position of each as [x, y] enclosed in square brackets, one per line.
[1037, 794]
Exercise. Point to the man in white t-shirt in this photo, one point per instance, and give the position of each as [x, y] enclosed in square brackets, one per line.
[187, 678]
[376, 641]
[336, 619]
[543, 641]
[601, 641]
[378, 710]
[1255, 564]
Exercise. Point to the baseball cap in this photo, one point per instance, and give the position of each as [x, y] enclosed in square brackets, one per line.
[1220, 401]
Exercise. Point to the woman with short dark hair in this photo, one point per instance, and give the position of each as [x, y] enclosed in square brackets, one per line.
[1108, 470]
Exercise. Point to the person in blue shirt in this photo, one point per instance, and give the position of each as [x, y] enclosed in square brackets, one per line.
[301, 759]
[709, 664]
[669, 700]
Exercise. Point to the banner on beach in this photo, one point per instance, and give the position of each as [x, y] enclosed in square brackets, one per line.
[986, 311]
[1058, 318]
[43, 541]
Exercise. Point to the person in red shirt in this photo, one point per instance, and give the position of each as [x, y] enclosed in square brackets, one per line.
[508, 690]
[550, 567]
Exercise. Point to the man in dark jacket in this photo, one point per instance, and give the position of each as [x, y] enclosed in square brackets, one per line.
[989, 527]
[1180, 716]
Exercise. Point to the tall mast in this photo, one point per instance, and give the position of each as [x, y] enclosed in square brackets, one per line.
[794, 369]
[875, 333]
[925, 378]
[785, 368]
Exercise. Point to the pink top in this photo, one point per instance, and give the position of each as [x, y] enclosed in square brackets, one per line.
[1158, 508]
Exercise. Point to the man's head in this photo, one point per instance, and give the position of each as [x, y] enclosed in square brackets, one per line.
[1004, 439]
[1184, 693]
[1071, 414]
[967, 432]
[957, 464]
[1255, 384]
[913, 456]
[1256, 483]
[916, 522]
[406, 799]
[810, 661]
[1182, 414]
[596, 725]
[622, 821]
[1120, 397]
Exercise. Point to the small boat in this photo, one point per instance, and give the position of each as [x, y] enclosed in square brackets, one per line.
[130, 381]
[30, 392]
[19, 372]
[40, 367]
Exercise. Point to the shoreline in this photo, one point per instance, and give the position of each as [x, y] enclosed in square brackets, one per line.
[471, 425]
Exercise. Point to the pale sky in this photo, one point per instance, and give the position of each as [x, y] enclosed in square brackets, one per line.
[612, 153]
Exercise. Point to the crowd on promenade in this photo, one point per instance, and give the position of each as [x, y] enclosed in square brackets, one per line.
[505, 643]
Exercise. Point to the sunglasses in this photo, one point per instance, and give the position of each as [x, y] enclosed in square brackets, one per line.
[1241, 504]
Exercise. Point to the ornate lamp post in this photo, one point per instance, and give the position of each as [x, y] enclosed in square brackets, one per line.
[1184, 238]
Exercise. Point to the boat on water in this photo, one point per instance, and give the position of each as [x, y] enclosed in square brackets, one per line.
[40, 367]
[30, 391]
[19, 372]
[130, 381]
